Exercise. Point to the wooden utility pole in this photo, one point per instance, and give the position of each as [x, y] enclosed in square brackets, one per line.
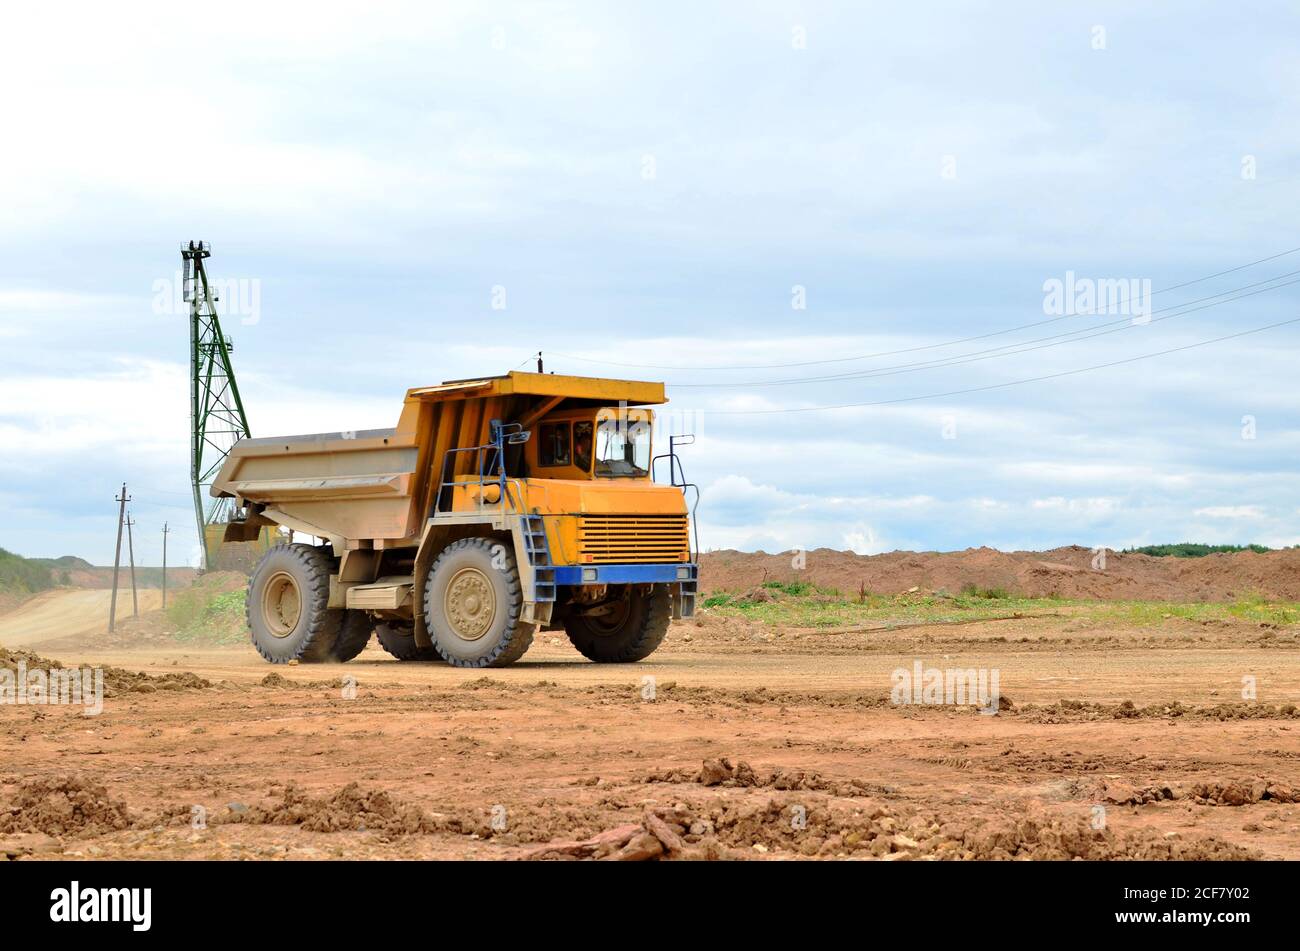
[130, 548]
[121, 500]
[165, 566]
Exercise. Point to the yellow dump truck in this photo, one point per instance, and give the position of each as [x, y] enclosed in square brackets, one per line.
[496, 506]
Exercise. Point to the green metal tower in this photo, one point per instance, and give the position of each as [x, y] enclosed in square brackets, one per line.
[217, 418]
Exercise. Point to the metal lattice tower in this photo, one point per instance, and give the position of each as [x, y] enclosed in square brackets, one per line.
[217, 418]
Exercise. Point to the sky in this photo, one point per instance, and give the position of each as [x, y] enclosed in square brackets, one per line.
[703, 194]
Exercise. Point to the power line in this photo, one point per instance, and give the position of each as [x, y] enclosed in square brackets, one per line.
[185, 495]
[1086, 333]
[890, 353]
[998, 386]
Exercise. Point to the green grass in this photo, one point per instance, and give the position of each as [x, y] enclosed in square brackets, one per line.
[1254, 609]
[802, 605]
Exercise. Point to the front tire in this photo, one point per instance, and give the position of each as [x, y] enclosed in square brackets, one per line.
[287, 606]
[631, 631]
[472, 604]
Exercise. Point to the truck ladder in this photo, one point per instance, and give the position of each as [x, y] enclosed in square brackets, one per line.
[539, 557]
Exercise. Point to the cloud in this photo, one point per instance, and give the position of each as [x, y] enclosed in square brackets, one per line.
[380, 175]
[1083, 508]
[1231, 511]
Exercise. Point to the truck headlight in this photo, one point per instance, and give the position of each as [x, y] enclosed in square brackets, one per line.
[589, 575]
[683, 573]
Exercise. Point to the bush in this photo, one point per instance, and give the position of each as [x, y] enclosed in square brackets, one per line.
[1193, 550]
[201, 613]
[990, 594]
[22, 575]
[796, 588]
[184, 608]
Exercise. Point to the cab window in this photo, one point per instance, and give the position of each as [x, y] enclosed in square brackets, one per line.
[582, 445]
[553, 448]
[623, 448]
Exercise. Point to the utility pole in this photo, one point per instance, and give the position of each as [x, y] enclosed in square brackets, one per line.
[130, 547]
[165, 566]
[117, 556]
[130, 550]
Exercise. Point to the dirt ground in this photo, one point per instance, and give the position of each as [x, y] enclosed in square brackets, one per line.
[733, 741]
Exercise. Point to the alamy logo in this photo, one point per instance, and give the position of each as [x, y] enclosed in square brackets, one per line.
[62, 686]
[957, 686]
[239, 297]
[1098, 297]
[72, 904]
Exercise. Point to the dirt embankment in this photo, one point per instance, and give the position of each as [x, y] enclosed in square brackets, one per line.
[99, 576]
[1062, 572]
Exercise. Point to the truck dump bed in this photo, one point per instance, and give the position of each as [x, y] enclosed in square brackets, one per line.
[382, 484]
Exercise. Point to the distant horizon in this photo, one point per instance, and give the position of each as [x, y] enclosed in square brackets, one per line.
[756, 551]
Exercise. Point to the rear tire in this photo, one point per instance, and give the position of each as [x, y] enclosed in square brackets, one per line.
[629, 635]
[400, 642]
[472, 603]
[354, 635]
[287, 605]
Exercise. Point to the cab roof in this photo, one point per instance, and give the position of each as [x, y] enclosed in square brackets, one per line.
[516, 383]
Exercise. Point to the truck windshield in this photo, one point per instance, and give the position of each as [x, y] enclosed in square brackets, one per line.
[623, 448]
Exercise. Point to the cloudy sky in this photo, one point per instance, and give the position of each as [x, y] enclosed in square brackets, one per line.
[733, 198]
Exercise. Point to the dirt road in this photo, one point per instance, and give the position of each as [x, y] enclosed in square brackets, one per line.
[1115, 744]
[58, 614]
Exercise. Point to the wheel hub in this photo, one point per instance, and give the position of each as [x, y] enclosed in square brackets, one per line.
[612, 620]
[470, 604]
[281, 604]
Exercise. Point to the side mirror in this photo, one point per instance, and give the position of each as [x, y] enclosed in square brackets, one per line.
[508, 432]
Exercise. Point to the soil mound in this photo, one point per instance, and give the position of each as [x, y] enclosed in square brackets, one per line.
[352, 808]
[117, 681]
[1062, 572]
[62, 806]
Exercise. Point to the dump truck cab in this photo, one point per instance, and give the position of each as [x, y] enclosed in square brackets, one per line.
[495, 507]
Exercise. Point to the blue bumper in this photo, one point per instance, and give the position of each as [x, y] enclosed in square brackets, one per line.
[626, 574]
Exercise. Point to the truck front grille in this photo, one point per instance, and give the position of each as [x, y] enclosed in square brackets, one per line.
[633, 539]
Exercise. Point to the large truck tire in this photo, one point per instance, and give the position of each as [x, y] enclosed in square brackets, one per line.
[400, 642]
[287, 606]
[354, 635]
[629, 633]
[473, 601]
